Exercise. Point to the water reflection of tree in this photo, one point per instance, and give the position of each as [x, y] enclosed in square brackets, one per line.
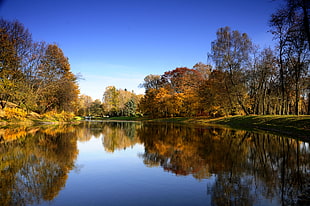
[115, 135]
[11, 134]
[35, 162]
[285, 163]
[35, 168]
[231, 189]
[273, 166]
[119, 135]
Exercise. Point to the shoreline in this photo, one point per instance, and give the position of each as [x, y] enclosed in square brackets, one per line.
[288, 125]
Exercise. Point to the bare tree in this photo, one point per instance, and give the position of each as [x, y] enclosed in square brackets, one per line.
[231, 54]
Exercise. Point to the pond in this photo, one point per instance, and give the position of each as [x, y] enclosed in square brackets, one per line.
[134, 163]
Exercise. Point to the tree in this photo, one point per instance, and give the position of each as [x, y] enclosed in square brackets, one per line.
[124, 97]
[120, 102]
[15, 44]
[175, 93]
[84, 103]
[184, 81]
[181, 79]
[96, 108]
[151, 82]
[289, 28]
[130, 108]
[279, 31]
[57, 87]
[111, 101]
[213, 95]
[300, 7]
[8, 64]
[203, 69]
[231, 54]
[261, 80]
[28, 94]
[298, 63]
[34, 75]
[148, 104]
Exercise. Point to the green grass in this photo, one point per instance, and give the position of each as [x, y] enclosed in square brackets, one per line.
[292, 125]
[123, 118]
[78, 118]
[171, 119]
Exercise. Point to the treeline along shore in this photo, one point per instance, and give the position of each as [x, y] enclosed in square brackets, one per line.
[240, 78]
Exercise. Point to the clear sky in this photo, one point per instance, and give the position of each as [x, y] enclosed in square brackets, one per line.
[119, 42]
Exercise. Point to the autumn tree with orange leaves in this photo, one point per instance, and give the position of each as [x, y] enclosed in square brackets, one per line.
[175, 94]
[35, 76]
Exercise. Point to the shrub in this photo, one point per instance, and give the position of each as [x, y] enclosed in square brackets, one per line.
[14, 114]
[61, 117]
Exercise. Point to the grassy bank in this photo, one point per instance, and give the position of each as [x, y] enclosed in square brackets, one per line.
[289, 125]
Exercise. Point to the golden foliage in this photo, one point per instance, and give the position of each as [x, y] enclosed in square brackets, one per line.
[61, 117]
[14, 113]
[12, 134]
[51, 156]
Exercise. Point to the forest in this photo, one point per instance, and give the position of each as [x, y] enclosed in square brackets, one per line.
[34, 76]
[239, 78]
[242, 78]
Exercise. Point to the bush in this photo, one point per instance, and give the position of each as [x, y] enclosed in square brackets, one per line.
[14, 114]
[61, 117]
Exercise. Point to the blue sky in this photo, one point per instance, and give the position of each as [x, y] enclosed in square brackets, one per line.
[119, 42]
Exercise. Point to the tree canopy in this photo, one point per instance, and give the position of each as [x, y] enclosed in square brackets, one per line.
[243, 80]
[35, 76]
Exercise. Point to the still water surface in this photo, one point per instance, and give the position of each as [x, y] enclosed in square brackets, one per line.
[131, 163]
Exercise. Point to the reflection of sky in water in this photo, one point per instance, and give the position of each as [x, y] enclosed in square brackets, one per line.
[121, 178]
[305, 146]
[94, 149]
[122, 163]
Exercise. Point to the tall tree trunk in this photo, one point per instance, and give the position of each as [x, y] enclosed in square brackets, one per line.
[297, 77]
[296, 99]
[242, 105]
[308, 104]
[282, 84]
[257, 106]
